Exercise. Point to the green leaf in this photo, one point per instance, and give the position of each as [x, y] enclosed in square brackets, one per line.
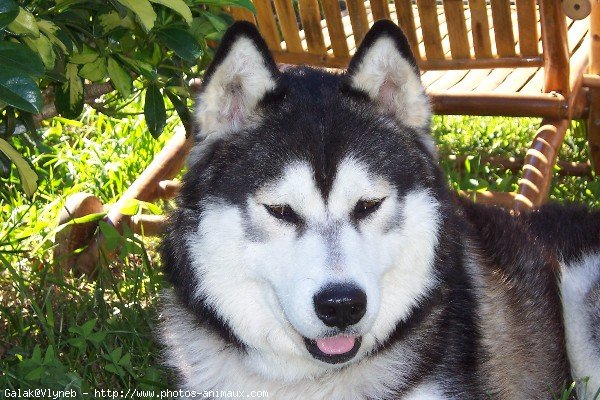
[50, 29]
[150, 54]
[26, 173]
[219, 23]
[112, 20]
[115, 369]
[69, 95]
[47, 26]
[88, 218]
[88, 327]
[140, 67]
[201, 27]
[20, 57]
[115, 355]
[24, 24]
[130, 207]
[111, 235]
[143, 11]
[78, 343]
[37, 352]
[49, 356]
[35, 374]
[125, 360]
[44, 48]
[154, 110]
[19, 90]
[8, 12]
[97, 338]
[94, 71]
[153, 208]
[87, 55]
[180, 106]
[120, 79]
[247, 4]
[179, 7]
[181, 42]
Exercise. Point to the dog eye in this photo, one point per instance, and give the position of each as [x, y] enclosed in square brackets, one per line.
[283, 212]
[366, 207]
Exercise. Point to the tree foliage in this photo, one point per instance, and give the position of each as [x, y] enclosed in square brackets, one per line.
[56, 55]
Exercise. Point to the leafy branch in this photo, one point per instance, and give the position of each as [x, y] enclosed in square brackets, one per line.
[57, 55]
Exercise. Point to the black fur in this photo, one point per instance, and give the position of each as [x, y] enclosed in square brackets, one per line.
[570, 230]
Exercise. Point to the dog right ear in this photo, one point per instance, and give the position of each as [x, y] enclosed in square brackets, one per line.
[385, 69]
[241, 74]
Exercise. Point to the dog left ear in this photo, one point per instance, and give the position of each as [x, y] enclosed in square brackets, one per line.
[242, 73]
[385, 69]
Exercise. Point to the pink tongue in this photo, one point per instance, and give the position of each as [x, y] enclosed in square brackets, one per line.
[336, 345]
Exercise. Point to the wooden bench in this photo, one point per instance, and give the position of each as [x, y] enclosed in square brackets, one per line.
[495, 57]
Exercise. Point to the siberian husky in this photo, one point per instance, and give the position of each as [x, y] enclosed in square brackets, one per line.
[317, 252]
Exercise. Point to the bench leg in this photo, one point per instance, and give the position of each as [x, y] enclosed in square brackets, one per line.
[539, 164]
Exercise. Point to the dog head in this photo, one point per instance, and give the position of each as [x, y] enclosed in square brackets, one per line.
[309, 217]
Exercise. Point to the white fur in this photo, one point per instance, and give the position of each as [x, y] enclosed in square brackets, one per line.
[390, 80]
[577, 281]
[427, 391]
[228, 101]
[260, 276]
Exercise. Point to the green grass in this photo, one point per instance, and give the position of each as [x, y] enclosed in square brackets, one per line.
[61, 330]
[505, 137]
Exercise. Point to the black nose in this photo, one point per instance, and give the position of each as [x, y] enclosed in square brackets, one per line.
[340, 305]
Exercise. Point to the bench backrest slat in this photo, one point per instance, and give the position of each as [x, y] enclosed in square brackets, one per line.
[457, 28]
[406, 21]
[480, 29]
[430, 26]
[529, 35]
[311, 22]
[503, 28]
[380, 9]
[266, 23]
[335, 28]
[358, 19]
[288, 25]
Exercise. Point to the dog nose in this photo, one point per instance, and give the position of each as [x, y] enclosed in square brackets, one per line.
[340, 305]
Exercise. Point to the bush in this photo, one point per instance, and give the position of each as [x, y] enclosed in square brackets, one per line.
[55, 56]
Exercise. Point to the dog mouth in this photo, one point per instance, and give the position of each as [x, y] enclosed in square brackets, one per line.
[333, 350]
